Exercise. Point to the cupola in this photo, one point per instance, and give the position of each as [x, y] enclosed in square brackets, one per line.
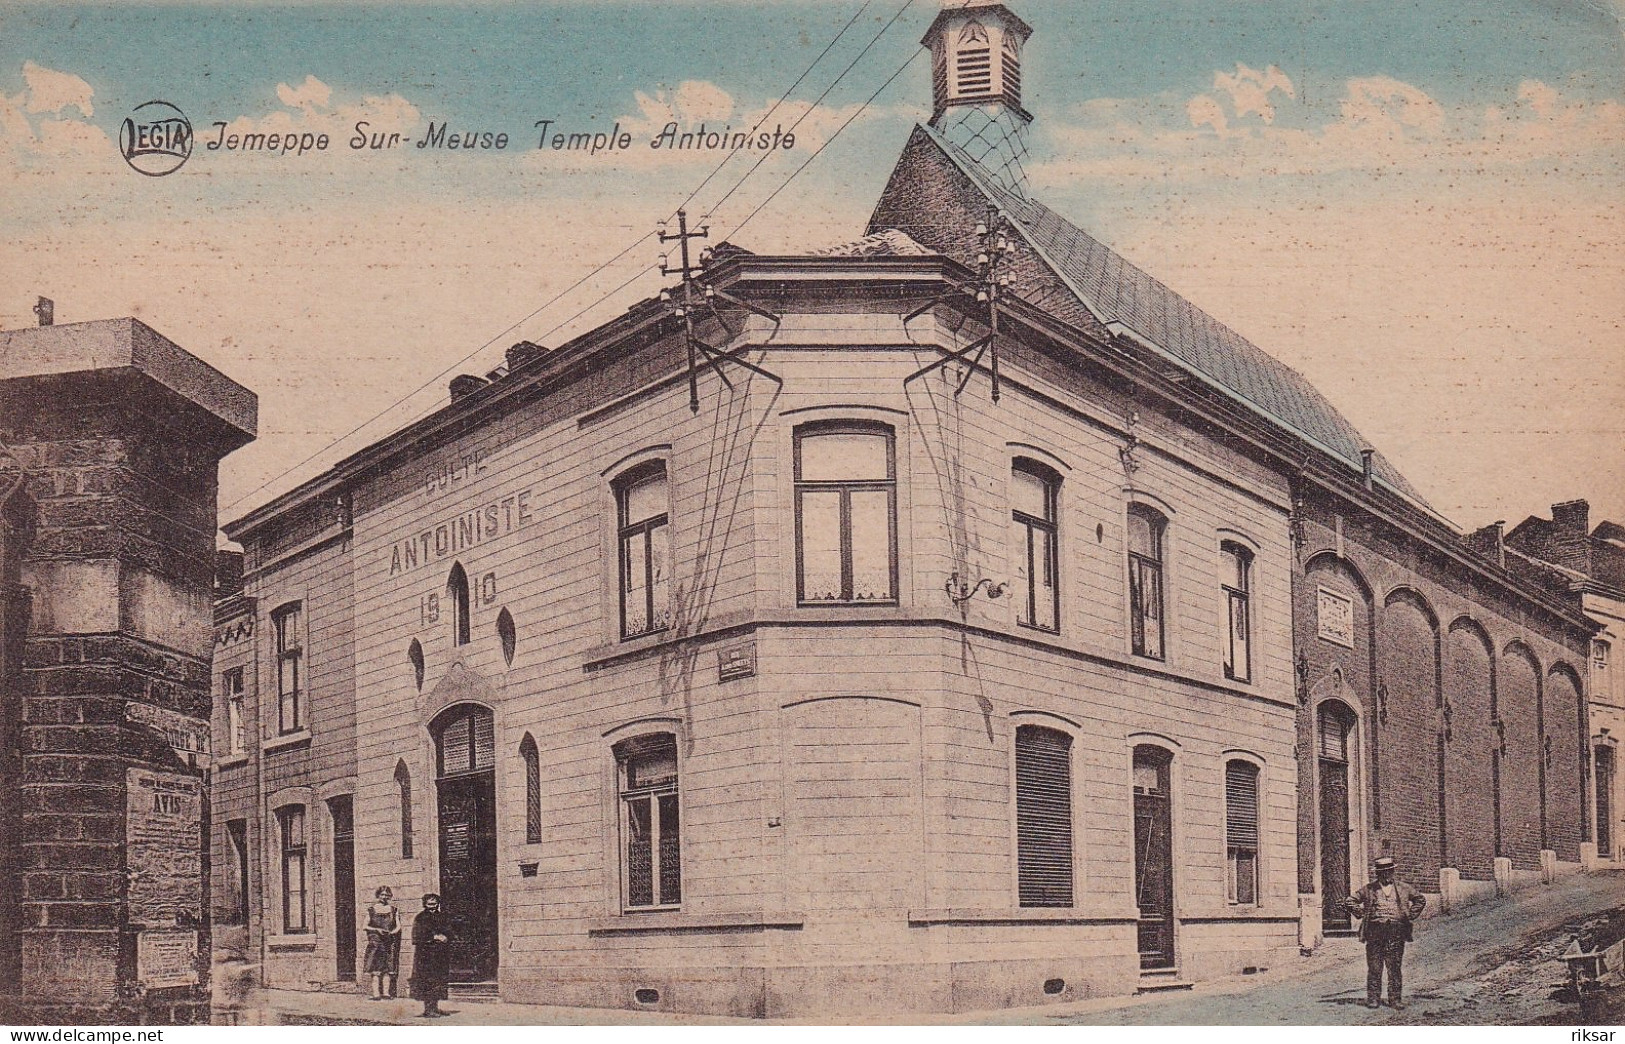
[976, 50]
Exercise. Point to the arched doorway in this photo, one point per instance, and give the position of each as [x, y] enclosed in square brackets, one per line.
[465, 748]
[1334, 725]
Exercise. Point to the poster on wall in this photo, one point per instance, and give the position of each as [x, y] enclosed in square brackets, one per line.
[163, 824]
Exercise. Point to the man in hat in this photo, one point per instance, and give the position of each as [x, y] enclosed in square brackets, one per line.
[1386, 908]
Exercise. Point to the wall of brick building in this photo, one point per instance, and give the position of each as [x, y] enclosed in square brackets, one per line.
[1456, 664]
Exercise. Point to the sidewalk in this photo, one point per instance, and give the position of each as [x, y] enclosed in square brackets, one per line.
[1449, 978]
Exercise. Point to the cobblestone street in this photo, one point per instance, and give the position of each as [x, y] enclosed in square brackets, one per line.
[1492, 964]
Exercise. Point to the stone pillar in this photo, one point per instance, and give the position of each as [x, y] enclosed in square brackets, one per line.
[1548, 866]
[1588, 856]
[1503, 875]
[1449, 887]
[118, 434]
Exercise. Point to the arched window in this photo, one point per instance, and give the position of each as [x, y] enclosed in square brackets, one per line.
[846, 514]
[1043, 817]
[457, 595]
[1034, 511]
[1241, 830]
[466, 738]
[642, 504]
[651, 829]
[533, 789]
[1145, 532]
[403, 786]
[1236, 563]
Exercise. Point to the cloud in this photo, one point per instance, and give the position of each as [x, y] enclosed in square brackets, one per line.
[1386, 102]
[1250, 90]
[39, 133]
[311, 95]
[51, 91]
[1253, 124]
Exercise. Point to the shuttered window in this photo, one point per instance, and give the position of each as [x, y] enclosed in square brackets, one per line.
[1241, 830]
[1334, 734]
[1043, 817]
[467, 741]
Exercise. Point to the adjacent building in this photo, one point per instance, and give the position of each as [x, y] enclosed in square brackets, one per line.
[952, 619]
[1588, 564]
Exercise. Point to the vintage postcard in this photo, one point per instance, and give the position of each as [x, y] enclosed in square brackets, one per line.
[588, 512]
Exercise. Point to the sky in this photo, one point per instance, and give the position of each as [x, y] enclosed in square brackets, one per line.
[1418, 204]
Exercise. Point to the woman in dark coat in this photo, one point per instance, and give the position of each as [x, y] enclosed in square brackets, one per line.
[431, 956]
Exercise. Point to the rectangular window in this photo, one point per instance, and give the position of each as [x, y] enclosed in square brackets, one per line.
[288, 622]
[1043, 817]
[645, 551]
[650, 820]
[1241, 831]
[1145, 529]
[1237, 563]
[231, 685]
[295, 907]
[1033, 512]
[846, 515]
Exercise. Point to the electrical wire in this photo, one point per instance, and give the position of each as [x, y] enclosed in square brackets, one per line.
[629, 248]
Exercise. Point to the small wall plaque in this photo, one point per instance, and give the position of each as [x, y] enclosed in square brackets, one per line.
[736, 661]
[1335, 615]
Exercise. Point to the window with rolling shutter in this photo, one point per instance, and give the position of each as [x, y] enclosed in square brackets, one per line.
[467, 741]
[1334, 733]
[1241, 830]
[1043, 817]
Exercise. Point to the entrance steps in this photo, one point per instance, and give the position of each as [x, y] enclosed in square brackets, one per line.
[1162, 980]
[473, 992]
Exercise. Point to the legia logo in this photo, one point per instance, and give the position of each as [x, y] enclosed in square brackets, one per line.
[156, 139]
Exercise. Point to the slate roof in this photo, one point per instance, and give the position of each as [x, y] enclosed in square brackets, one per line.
[1115, 291]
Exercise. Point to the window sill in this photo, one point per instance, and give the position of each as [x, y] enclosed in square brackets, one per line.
[304, 942]
[1023, 915]
[232, 761]
[1237, 912]
[654, 921]
[286, 741]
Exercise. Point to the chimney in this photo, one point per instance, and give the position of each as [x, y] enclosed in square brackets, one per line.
[976, 49]
[522, 353]
[228, 574]
[1367, 469]
[465, 384]
[45, 308]
[1571, 535]
[1490, 541]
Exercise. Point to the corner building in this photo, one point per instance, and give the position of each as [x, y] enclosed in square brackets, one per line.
[893, 651]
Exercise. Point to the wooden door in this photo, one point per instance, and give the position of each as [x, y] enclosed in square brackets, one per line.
[468, 873]
[1154, 857]
[344, 897]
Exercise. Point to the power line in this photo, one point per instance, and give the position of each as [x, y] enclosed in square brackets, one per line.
[595, 271]
[858, 112]
[819, 101]
[775, 107]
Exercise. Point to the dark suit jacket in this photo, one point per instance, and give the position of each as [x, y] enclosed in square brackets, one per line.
[1363, 904]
